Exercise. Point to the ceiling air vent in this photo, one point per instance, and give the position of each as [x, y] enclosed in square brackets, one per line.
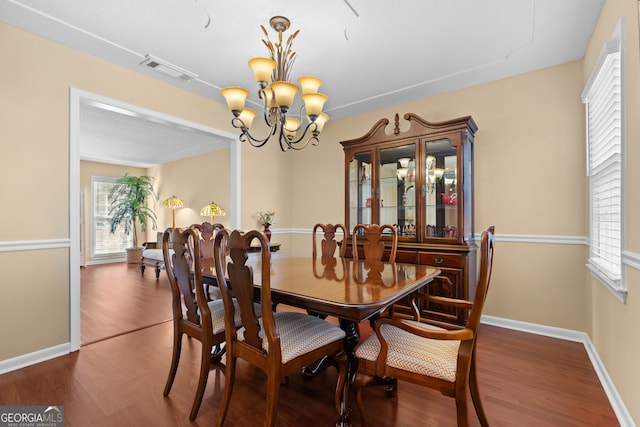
[168, 69]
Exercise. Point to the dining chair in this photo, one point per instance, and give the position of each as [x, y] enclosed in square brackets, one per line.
[280, 343]
[327, 248]
[329, 244]
[207, 234]
[433, 356]
[373, 247]
[203, 319]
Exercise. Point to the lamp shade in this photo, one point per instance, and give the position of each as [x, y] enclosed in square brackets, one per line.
[268, 93]
[173, 202]
[262, 68]
[212, 210]
[284, 93]
[314, 102]
[247, 115]
[320, 121]
[309, 84]
[291, 126]
[235, 97]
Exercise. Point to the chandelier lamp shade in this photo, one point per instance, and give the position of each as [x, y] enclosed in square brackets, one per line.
[212, 210]
[277, 95]
[173, 202]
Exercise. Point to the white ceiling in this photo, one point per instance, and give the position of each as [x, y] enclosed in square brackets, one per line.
[370, 54]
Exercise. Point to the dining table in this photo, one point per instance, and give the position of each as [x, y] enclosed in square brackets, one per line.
[352, 290]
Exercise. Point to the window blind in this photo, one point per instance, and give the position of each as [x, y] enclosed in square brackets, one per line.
[105, 243]
[604, 139]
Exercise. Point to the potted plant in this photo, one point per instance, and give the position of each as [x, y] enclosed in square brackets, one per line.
[130, 206]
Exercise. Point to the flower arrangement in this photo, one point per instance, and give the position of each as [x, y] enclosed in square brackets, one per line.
[266, 217]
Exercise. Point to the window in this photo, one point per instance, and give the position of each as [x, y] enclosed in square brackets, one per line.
[105, 243]
[605, 149]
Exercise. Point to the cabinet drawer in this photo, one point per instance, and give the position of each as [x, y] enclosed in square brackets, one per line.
[438, 259]
[407, 256]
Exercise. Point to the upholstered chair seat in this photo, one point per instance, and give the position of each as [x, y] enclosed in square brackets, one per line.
[424, 356]
[299, 334]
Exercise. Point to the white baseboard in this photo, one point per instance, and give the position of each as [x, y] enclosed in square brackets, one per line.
[624, 418]
[28, 359]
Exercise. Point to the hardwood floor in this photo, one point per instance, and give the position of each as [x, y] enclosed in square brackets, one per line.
[116, 298]
[525, 379]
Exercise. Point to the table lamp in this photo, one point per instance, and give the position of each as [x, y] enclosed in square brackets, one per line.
[173, 202]
[211, 210]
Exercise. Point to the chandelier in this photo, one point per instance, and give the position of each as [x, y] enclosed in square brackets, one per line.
[277, 94]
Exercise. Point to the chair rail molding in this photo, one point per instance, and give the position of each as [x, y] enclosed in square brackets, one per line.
[31, 245]
[632, 259]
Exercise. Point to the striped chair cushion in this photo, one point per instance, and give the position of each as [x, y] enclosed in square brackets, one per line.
[300, 334]
[217, 314]
[434, 358]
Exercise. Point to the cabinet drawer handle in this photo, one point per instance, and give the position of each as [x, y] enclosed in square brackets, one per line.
[439, 260]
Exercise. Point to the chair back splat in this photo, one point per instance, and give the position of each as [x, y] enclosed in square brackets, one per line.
[329, 244]
[280, 343]
[207, 231]
[436, 356]
[372, 245]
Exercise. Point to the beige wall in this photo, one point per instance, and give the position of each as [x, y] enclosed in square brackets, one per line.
[614, 324]
[34, 301]
[198, 181]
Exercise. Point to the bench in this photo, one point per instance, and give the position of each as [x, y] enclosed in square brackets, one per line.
[152, 256]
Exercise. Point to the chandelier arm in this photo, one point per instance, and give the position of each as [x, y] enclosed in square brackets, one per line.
[295, 144]
[245, 136]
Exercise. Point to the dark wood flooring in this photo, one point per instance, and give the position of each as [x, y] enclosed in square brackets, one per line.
[118, 376]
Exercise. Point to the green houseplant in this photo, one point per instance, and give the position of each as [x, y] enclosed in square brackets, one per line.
[130, 206]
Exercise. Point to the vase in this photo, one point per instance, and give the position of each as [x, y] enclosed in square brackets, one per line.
[267, 232]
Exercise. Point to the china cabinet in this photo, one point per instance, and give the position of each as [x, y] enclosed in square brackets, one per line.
[421, 181]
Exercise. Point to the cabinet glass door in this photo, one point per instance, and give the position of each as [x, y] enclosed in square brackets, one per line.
[360, 196]
[397, 196]
[441, 191]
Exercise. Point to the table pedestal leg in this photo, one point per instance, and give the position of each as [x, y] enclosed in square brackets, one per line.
[350, 342]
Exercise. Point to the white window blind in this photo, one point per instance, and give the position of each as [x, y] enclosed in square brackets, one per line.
[604, 110]
[105, 243]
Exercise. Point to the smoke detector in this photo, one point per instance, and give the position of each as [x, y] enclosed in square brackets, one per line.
[167, 69]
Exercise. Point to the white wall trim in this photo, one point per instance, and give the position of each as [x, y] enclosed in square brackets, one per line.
[106, 261]
[533, 238]
[235, 163]
[631, 259]
[32, 245]
[624, 418]
[28, 359]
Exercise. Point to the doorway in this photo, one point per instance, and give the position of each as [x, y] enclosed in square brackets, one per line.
[77, 99]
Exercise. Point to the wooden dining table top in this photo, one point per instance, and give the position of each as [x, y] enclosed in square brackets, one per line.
[349, 289]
